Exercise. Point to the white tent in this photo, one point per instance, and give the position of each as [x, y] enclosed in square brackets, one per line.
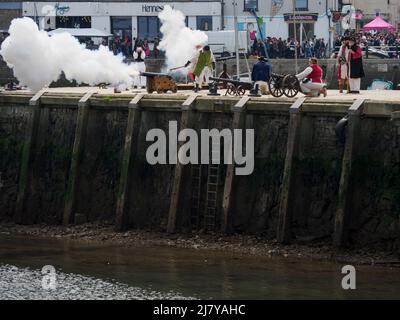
[81, 32]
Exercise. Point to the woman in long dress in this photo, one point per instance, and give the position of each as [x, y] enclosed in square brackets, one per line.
[356, 70]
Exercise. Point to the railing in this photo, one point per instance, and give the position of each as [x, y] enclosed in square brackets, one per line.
[391, 52]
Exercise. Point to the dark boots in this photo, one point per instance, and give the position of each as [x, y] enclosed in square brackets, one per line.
[196, 88]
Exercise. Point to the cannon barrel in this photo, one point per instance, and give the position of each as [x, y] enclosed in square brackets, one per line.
[154, 74]
[225, 58]
[278, 75]
[235, 82]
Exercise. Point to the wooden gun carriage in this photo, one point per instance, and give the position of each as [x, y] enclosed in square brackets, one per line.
[234, 87]
[287, 85]
[160, 82]
[279, 85]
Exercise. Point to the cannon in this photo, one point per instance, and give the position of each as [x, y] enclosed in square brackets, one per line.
[280, 85]
[234, 87]
[160, 82]
[103, 85]
[12, 86]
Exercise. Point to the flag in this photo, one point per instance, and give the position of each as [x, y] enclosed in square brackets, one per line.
[260, 21]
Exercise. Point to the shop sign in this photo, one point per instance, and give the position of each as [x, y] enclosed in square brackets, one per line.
[311, 17]
[60, 9]
[152, 8]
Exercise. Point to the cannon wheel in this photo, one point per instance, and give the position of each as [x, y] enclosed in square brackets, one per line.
[291, 86]
[231, 90]
[240, 91]
[274, 87]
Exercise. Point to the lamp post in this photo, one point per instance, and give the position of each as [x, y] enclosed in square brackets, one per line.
[235, 21]
[295, 37]
[329, 15]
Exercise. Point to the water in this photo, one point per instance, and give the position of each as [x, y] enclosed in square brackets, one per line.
[167, 272]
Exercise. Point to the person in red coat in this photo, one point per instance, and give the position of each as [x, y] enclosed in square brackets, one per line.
[311, 82]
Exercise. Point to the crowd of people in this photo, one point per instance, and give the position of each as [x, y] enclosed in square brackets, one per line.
[127, 46]
[388, 42]
[285, 48]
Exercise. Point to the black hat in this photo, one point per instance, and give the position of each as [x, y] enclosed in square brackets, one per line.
[262, 58]
[346, 38]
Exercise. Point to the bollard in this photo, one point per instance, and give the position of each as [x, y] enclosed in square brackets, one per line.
[213, 89]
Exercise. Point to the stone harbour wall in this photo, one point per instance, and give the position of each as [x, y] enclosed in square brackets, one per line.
[69, 159]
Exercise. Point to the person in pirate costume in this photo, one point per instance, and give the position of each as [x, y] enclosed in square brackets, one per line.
[343, 65]
[356, 69]
[138, 57]
[203, 65]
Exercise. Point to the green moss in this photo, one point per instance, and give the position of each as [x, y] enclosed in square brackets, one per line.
[321, 167]
[384, 177]
[108, 98]
[56, 152]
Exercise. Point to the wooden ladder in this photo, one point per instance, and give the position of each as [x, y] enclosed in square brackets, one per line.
[213, 180]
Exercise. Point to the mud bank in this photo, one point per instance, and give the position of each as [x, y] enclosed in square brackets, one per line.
[310, 249]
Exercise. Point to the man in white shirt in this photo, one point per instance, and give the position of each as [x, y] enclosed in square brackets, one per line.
[311, 83]
[343, 65]
[203, 65]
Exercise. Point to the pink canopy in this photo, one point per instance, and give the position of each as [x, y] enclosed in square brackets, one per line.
[378, 24]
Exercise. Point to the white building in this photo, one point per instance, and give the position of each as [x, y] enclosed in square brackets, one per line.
[139, 19]
[124, 18]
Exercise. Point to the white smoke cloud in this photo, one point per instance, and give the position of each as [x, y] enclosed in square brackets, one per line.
[38, 59]
[178, 41]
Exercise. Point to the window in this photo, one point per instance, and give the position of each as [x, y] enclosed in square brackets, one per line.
[250, 5]
[149, 28]
[301, 5]
[204, 23]
[121, 27]
[73, 22]
[307, 31]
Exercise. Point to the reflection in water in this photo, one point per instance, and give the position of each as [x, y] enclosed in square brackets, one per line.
[200, 273]
[227, 285]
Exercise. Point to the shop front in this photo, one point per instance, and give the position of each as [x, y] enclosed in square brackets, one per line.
[132, 19]
[301, 25]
